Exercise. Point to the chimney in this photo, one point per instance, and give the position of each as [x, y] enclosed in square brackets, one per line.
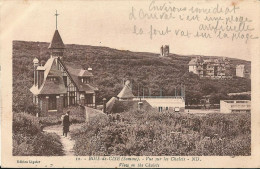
[35, 65]
[104, 105]
[40, 73]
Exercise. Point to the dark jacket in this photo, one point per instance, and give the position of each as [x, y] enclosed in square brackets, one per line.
[66, 123]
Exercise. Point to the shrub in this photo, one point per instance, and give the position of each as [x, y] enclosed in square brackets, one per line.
[83, 145]
[77, 115]
[33, 110]
[25, 124]
[154, 133]
[47, 145]
[49, 121]
[29, 140]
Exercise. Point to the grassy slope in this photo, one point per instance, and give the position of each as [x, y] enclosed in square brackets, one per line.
[110, 66]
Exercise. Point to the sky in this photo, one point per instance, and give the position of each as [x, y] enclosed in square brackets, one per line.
[103, 23]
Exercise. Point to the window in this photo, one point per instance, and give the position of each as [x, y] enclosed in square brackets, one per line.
[52, 103]
[65, 100]
[72, 93]
[40, 104]
[85, 80]
[72, 98]
[52, 78]
[88, 99]
[65, 80]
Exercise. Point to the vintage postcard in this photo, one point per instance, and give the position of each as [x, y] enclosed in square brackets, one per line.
[130, 84]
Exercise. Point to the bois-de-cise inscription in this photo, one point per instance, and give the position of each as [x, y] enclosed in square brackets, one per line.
[140, 162]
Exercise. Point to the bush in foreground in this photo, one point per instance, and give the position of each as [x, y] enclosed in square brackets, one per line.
[145, 134]
[77, 115]
[29, 140]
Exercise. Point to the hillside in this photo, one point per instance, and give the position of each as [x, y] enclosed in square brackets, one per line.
[111, 66]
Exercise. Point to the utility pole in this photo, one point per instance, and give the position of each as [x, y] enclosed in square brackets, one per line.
[184, 92]
[138, 89]
[181, 90]
[132, 85]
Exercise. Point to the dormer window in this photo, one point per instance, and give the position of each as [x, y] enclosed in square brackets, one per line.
[85, 80]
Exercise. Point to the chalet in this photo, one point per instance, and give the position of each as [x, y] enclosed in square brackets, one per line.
[57, 85]
[243, 71]
[210, 68]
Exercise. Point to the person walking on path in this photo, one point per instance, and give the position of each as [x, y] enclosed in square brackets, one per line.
[66, 123]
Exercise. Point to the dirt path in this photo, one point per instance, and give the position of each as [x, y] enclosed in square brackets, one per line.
[67, 142]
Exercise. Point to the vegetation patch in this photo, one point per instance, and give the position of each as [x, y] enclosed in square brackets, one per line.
[77, 115]
[29, 140]
[163, 134]
[124, 106]
[111, 66]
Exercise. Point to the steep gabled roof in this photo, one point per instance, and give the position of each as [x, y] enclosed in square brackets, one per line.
[58, 86]
[86, 87]
[68, 73]
[85, 73]
[54, 87]
[79, 72]
[193, 62]
[55, 73]
[48, 86]
[56, 42]
[126, 92]
[110, 104]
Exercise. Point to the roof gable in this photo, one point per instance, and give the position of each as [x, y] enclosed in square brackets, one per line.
[75, 74]
[58, 86]
[79, 72]
[50, 87]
